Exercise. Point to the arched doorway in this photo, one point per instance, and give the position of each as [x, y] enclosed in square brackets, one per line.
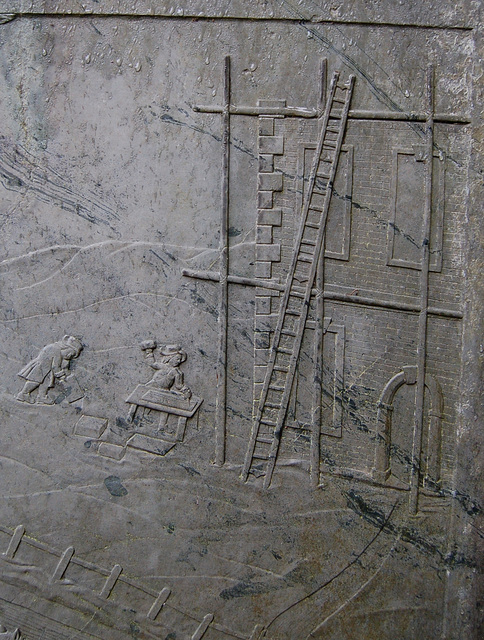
[432, 430]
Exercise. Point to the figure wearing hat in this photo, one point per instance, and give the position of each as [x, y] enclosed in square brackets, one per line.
[168, 376]
[51, 364]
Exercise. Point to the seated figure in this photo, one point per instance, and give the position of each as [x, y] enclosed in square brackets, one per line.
[167, 374]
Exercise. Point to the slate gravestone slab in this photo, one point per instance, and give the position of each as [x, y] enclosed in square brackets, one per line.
[240, 318]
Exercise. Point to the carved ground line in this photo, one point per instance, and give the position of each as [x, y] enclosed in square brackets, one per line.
[68, 556]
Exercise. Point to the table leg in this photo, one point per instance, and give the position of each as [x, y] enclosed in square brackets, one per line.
[131, 413]
[180, 430]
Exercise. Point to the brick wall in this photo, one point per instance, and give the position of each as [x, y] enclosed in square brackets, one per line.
[378, 342]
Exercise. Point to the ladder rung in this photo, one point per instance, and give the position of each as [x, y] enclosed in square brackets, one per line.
[264, 440]
[274, 387]
[271, 405]
[293, 312]
[323, 176]
[279, 368]
[259, 456]
[312, 225]
[286, 332]
[330, 143]
[314, 207]
[340, 101]
[282, 350]
[304, 258]
[310, 243]
[268, 423]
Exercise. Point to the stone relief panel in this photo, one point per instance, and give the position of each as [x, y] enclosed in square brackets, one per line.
[249, 223]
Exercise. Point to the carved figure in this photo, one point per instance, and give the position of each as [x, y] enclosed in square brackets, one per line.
[7, 17]
[168, 376]
[9, 635]
[167, 394]
[48, 367]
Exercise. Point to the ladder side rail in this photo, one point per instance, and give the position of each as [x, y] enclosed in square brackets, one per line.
[312, 274]
[284, 301]
[304, 305]
[290, 278]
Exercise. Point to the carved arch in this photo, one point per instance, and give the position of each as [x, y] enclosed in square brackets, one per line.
[382, 469]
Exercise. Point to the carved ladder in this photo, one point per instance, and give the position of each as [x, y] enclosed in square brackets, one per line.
[286, 345]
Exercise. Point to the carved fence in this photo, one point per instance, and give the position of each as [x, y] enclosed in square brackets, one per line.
[154, 602]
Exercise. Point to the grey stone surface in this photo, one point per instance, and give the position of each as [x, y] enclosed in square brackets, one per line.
[207, 432]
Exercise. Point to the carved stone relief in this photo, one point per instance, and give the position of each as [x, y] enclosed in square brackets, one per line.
[337, 243]
[405, 230]
[10, 635]
[254, 224]
[50, 370]
[166, 396]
